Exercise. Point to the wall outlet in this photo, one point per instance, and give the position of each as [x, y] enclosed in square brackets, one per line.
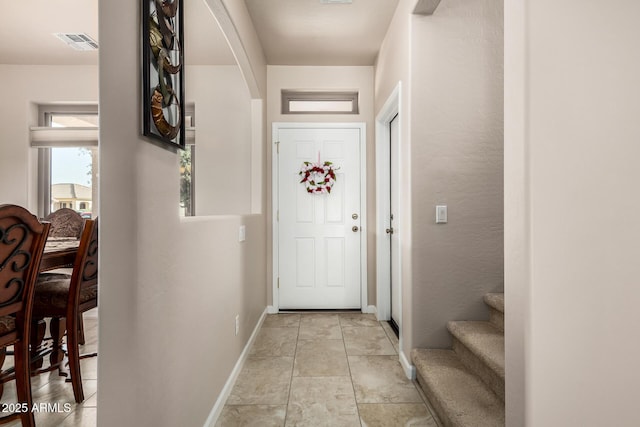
[237, 323]
[242, 233]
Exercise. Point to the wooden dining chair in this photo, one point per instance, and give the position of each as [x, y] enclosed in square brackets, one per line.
[65, 222]
[22, 240]
[64, 298]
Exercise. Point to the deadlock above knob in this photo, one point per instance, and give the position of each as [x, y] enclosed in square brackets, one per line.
[354, 216]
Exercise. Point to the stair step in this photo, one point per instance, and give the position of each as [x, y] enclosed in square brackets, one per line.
[459, 397]
[480, 347]
[496, 309]
[495, 300]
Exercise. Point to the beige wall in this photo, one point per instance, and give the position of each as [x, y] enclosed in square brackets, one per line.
[25, 87]
[572, 257]
[170, 287]
[256, 63]
[392, 64]
[223, 139]
[328, 78]
[450, 65]
[456, 155]
[516, 217]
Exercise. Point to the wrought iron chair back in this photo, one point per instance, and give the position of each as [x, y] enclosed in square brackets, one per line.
[22, 240]
[85, 269]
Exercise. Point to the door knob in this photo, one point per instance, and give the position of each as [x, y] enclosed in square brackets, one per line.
[354, 228]
[389, 230]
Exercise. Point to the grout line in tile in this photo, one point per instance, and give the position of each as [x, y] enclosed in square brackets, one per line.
[391, 339]
[353, 387]
[293, 366]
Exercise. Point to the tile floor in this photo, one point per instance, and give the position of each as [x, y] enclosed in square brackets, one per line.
[329, 369]
[52, 388]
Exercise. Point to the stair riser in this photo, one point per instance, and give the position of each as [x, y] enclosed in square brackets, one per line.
[458, 396]
[443, 420]
[496, 318]
[474, 364]
[427, 402]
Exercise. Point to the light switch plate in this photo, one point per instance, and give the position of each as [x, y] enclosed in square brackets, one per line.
[441, 214]
[242, 234]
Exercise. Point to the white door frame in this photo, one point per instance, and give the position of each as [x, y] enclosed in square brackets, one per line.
[276, 126]
[383, 255]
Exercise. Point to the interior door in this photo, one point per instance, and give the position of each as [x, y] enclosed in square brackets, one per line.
[393, 235]
[319, 234]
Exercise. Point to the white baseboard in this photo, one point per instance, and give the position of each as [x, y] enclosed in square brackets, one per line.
[370, 309]
[272, 310]
[231, 381]
[409, 369]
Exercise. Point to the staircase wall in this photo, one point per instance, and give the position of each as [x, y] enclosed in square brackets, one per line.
[456, 154]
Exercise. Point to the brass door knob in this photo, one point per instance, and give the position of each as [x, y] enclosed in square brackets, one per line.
[354, 228]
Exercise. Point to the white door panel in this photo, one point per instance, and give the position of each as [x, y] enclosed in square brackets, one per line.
[318, 252]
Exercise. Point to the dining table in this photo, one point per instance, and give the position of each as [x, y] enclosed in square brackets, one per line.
[59, 252]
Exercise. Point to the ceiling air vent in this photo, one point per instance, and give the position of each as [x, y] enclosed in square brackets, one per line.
[78, 41]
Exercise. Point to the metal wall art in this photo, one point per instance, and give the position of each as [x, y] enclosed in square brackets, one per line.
[163, 71]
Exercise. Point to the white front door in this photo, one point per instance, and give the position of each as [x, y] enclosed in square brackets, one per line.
[319, 235]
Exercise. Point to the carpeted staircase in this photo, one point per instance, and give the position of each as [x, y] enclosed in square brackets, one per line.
[465, 385]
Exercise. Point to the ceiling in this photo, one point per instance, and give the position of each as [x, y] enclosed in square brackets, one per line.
[28, 25]
[293, 32]
[29, 40]
[306, 32]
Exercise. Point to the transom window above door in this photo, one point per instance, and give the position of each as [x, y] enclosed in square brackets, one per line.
[319, 102]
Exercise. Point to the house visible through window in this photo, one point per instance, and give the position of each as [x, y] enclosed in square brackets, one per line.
[68, 170]
[74, 170]
[72, 178]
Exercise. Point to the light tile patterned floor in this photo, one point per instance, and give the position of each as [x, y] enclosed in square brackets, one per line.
[52, 388]
[329, 369]
[304, 370]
